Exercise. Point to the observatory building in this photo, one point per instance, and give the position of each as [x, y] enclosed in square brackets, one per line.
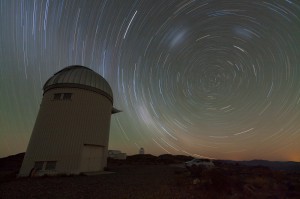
[142, 151]
[71, 132]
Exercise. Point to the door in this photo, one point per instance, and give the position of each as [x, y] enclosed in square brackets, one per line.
[91, 158]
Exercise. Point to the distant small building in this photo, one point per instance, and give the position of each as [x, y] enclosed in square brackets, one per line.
[116, 154]
[142, 151]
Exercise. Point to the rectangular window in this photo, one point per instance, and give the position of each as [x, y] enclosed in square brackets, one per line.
[57, 96]
[50, 165]
[67, 96]
[39, 165]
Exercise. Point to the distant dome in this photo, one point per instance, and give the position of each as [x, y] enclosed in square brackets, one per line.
[79, 77]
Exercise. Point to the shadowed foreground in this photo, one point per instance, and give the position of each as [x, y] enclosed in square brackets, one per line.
[131, 181]
[150, 177]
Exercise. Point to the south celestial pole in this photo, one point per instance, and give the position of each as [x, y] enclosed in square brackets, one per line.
[207, 78]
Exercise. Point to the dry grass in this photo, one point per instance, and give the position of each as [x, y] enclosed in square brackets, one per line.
[143, 179]
[258, 182]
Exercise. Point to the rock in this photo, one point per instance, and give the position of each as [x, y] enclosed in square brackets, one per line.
[196, 181]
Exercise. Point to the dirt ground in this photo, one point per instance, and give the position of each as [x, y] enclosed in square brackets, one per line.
[145, 177]
[127, 181]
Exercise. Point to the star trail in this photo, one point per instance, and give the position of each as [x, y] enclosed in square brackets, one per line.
[207, 78]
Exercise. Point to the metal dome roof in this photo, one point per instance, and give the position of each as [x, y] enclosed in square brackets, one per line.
[79, 77]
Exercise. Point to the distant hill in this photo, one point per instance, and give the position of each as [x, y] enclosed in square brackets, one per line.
[11, 163]
[274, 165]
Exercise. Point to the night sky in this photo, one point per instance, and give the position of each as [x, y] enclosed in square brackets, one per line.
[208, 78]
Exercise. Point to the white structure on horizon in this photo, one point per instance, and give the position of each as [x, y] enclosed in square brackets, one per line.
[142, 151]
[116, 154]
[71, 131]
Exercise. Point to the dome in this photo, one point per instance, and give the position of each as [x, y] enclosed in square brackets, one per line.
[79, 77]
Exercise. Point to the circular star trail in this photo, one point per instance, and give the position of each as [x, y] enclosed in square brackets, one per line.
[207, 78]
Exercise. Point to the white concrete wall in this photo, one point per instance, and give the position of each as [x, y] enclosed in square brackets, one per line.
[62, 128]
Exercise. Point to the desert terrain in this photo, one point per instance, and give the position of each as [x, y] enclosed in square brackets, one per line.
[147, 176]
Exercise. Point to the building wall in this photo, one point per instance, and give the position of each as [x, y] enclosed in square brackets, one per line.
[116, 154]
[63, 129]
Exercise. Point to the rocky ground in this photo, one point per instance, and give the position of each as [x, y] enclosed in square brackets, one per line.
[145, 177]
[128, 181]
